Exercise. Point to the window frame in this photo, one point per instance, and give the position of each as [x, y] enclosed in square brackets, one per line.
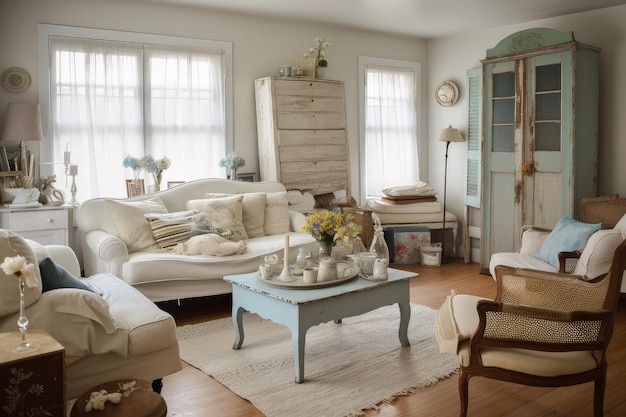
[44, 31]
[364, 62]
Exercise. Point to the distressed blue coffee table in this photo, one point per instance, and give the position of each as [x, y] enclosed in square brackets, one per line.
[301, 309]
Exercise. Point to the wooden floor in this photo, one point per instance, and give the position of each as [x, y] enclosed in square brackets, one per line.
[191, 393]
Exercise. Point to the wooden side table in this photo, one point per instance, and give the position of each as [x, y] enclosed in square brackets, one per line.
[143, 402]
[33, 381]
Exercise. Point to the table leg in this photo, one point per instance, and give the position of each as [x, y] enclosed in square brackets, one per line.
[238, 325]
[405, 316]
[298, 337]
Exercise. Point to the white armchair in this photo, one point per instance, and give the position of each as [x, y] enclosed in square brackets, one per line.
[588, 263]
[117, 333]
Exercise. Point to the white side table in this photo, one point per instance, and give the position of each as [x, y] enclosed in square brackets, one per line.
[48, 225]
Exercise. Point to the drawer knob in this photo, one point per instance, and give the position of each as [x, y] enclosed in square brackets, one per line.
[50, 220]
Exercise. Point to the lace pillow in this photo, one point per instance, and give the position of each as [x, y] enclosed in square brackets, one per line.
[226, 213]
[253, 212]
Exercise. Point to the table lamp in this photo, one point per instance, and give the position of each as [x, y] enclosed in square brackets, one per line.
[23, 123]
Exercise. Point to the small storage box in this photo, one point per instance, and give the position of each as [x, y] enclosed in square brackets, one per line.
[431, 255]
[404, 243]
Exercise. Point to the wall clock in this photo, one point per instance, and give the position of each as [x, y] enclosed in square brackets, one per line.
[447, 93]
[15, 80]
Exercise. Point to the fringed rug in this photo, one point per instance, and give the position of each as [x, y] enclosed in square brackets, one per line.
[348, 367]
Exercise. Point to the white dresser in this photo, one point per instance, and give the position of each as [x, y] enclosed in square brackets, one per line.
[46, 225]
[301, 125]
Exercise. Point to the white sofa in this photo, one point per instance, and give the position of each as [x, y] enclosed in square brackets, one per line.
[595, 258]
[117, 333]
[163, 275]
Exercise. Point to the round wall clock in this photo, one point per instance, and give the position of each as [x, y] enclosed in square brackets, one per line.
[447, 93]
[15, 80]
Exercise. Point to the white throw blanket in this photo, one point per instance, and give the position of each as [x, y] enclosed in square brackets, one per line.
[419, 189]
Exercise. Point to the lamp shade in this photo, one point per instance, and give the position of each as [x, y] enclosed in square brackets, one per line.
[23, 123]
[450, 134]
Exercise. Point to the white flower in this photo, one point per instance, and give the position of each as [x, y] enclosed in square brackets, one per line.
[18, 266]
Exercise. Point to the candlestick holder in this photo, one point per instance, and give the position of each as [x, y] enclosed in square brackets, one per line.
[286, 275]
[73, 190]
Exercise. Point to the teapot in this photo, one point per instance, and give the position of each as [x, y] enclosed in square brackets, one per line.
[327, 270]
[380, 269]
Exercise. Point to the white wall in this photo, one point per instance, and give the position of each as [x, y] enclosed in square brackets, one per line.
[451, 57]
[260, 46]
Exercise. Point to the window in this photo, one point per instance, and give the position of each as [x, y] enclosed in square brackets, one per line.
[389, 124]
[111, 94]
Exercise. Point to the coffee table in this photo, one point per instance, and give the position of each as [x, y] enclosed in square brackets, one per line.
[301, 309]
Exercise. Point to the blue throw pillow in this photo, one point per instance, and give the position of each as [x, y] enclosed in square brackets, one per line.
[568, 235]
[54, 276]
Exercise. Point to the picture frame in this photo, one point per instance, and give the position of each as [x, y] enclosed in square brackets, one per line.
[171, 184]
[308, 66]
[247, 176]
[135, 187]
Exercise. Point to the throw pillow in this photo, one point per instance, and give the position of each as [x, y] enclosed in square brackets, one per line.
[621, 226]
[226, 213]
[12, 244]
[568, 235]
[276, 213]
[253, 212]
[210, 244]
[131, 225]
[171, 228]
[596, 258]
[54, 276]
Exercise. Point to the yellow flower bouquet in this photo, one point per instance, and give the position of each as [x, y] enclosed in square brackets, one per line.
[331, 226]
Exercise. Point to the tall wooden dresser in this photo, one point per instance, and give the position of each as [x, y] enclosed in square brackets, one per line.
[301, 126]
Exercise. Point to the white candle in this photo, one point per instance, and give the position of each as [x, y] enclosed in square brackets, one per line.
[73, 169]
[66, 157]
[286, 255]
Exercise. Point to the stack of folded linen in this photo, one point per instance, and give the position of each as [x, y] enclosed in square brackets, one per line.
[408, 194]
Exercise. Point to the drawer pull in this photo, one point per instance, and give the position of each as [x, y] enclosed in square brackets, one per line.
[50, 220]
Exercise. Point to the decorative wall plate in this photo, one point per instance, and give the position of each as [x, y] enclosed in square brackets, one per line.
[15, 80]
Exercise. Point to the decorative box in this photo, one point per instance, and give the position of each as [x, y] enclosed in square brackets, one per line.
[404, 243]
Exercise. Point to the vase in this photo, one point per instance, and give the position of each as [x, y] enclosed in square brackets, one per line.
[157, 181]
[22, 322]
[233, 174]
[326, 249]
[320, 72]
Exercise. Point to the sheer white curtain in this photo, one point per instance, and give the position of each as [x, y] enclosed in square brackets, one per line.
[391, 128]
[111, 99]
[96, 110]
[186, 113]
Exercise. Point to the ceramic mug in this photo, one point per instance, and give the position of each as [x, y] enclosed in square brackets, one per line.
[309, 275]
[266, 271]
[366, 262]
[327, 270]
[345, 270]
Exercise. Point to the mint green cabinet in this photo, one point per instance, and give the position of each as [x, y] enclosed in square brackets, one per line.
[540, 134]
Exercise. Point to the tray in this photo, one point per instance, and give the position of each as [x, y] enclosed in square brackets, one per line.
[299, 283]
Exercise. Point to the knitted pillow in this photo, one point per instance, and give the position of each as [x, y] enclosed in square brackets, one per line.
[253, 212]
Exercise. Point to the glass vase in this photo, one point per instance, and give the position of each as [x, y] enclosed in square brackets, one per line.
[326, 249]
[22, 322]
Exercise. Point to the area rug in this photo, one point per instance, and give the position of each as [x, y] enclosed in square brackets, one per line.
[349, 367]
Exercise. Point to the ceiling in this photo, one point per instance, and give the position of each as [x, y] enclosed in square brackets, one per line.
[421, 18]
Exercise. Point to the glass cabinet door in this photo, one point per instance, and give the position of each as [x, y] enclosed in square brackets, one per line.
[548, 107]
[503, 121]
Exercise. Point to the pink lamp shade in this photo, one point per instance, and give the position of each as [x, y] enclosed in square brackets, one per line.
[23, 123]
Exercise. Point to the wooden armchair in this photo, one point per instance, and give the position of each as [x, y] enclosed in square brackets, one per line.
[544, 329]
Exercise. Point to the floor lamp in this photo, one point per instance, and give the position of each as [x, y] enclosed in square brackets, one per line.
[447, 135]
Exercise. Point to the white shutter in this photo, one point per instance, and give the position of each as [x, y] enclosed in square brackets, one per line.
[474, 138]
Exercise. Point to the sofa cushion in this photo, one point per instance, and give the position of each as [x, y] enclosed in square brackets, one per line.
[54, 276]
[226, 212]
[568, 235]
[253, 212]
[276, 213]
[596, 258]
[11, 245]
[131, 225]
[171, 228]
[532, 241]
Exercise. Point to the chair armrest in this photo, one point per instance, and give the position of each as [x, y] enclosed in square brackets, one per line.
[548, 290]
[103, 252]
[568, 261]
[513, 326]
[64, 256]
